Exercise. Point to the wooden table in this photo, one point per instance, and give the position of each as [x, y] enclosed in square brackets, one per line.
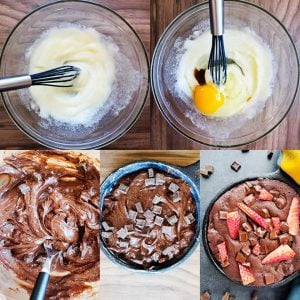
[118, 283]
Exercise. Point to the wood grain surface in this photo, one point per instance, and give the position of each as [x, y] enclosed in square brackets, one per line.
[287, 135]
[181, 283]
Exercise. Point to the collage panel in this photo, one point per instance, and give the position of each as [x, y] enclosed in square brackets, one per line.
[250, 234]
[150, 225]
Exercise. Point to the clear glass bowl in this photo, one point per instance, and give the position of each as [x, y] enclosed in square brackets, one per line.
[227, 132]
[107, 22]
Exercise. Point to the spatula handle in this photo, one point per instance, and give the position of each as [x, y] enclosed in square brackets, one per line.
[40, 287]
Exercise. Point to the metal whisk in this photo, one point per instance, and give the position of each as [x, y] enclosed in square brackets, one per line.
[58, 77]
[217, 60]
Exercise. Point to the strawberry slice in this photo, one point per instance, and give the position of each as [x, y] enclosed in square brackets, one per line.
[283, 252]
[253, 215]
[293, 217]
[256, 249]
[246, 275]
[233, 224]
[223, 254]
[264, 195]
[276, 224]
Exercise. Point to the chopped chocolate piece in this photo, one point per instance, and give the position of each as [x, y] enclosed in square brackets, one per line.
[172, 220]
[245, 151]
[106, 235]
[280, 202]
[258, 188]
[243, 236]
[169, 251]
[124, 244]
[247, 264]
[132, 214]
[149, 214]
[204, 173]
[260, 232]
[140, 223]
[173, 187]
[240, 258]
[106, 227]
[265, 213]
[273, 235]
[249, 200]
[246, 250]
[176, 197]
[150, 173]
[209, 168]
[235, 166]
[139, 207]
[189, 219]
[129, 228]
[275, 193]
[158, 220]
[205, 296]
[123, 188]
[247, 227]
[284, 238]
[149, 181]
[270, 154]
[168, 230]
[157, 209]
[122, 233]
[157, 199]
[223, 215]
[159, 179]
[269, 278]
[284, 227]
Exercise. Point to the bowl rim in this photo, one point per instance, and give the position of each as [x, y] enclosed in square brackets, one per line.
[276, 175]
[177, 127]
[134, 167]
[62, 145]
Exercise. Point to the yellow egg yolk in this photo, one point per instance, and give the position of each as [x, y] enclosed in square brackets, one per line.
[208, 99]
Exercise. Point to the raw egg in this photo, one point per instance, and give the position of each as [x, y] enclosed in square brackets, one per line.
[208, 99]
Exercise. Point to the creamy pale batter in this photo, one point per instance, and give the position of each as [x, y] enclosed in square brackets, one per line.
[250, 69]
[50, 197]
[85, 49]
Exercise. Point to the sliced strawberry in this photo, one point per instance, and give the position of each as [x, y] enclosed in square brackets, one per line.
[253, 215]
[223, 254]
[265, 195]
[246, 275]
[283, 252]
[256, 249]
[293, 217]
[276, 224]
[233, 224]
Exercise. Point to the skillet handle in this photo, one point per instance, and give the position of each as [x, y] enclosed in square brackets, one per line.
[295, 291]
[192, 171]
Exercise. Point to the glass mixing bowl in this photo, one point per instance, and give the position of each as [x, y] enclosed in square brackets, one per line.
[238, 130]
[112, 126]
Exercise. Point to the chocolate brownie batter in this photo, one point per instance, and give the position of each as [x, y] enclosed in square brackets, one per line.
[50, 197]
[149, 219]
[242, 251]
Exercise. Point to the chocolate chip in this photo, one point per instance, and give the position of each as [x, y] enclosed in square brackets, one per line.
[265, 213]
[284, 227]
[249, 200]
[269, 278]
[240, 258]
[280, 202]
[222, 215]
[245, 151]
[247, 227]
[243, 236]
[270, 154]
[235, 166]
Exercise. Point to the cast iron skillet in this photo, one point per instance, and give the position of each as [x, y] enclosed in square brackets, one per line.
[188, 174]
[277, 175]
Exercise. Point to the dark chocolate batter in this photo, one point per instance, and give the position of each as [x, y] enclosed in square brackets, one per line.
[278, 207]
[149, 219]
[50, 197]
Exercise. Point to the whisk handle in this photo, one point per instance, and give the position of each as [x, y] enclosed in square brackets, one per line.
[216, 12]
[15, 83]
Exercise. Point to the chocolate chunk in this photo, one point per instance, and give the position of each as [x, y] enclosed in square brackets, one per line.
[243, 236]
[140, 223]
[280, 202]
[222, 215]
[149, 214]
[159, 179]
[139, 207]
[158, 220]
[265, 213]
[249, 200]
[260, 232]
[132, 214]
[106, 227]
[205, 296]
[129, 228]
[284, 238]
[284, 227]
[240, 258]
[176, 197]
[270, 154]
[168, 230]
[149, 181]
[246, 250]
[150, 173]
[204, 173]
[157, 209]
[247, 227]
[157, 199]
[173, 187]
[172, 220]
[269, 278]
[123, 188]
[235, 166]
[124, 244]
[273, 235]
[106, 235]
[245, 151]
[209, 169]
[122, 233]
[189, 219]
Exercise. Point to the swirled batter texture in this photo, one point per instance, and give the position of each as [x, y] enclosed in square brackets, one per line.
[86, 49]
[50, 197]
[250, 72]
[149, 219]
